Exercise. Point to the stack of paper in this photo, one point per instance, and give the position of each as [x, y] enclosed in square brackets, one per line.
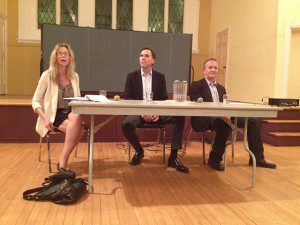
[77, 99]
[95, 98]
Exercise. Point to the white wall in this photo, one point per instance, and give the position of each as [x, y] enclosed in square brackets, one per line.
[288, 20]
[252, 45]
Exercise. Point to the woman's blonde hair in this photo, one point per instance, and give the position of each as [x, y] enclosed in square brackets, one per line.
[53, 68]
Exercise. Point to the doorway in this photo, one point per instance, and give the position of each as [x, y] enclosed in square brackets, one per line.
[221, 55]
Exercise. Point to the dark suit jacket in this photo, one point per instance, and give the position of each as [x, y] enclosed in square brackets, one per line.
[134, 86]
[201, 89]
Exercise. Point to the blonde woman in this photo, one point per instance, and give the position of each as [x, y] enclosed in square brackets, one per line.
[58, 82]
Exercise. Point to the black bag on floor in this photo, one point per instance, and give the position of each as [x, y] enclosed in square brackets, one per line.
[60, 188]
[60, 176]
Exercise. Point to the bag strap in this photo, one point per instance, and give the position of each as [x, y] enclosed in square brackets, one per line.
[28, 195]
[85, 180]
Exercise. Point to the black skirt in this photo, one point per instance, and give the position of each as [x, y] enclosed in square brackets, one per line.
[61, 116]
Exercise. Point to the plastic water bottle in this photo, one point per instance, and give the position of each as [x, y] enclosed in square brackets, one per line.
[183, 94]
[179, 91]
[176, 85]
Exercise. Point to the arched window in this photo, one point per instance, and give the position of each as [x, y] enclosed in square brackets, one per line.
[176, 16]
[156, 15]
[46, 12]
[124, 15]
[103, 10]
[69, 12]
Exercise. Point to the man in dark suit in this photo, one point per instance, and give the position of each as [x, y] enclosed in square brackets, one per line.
[138, 83]
[210, 91]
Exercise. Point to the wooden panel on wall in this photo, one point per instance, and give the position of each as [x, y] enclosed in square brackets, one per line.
[17, 124]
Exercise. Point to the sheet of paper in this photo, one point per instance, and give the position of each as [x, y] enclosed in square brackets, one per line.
[241, 103]
[77, 99]
[98, 98]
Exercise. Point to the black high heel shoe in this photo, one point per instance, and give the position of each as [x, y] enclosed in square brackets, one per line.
[60, 169]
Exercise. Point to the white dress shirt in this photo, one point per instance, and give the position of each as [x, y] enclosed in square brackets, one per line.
[147, 82]
[213, 89]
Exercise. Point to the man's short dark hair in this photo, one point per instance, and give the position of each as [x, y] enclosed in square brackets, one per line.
[152, 52]
[210, 59]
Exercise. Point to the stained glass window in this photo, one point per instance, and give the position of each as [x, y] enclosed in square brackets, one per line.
[69, 12]
[176, 16]
[124, 15]
[103, 14]
[46, 12]
[156, 15]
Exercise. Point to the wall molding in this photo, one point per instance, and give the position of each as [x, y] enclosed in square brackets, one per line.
[3, 81]
[29, 41]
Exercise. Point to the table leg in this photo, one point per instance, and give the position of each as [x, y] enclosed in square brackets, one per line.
[235, 129]
[233, 140]
[248, 150]
[91, 155]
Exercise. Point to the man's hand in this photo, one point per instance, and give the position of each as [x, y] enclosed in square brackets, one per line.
[227, 118]
[155, 118]
[147, 118]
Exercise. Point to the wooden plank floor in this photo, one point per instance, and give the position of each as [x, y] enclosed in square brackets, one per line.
[151, 193]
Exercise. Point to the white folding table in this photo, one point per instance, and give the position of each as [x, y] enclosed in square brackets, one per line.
[170, 108]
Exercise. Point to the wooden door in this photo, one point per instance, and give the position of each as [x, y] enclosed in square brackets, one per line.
[221, 55]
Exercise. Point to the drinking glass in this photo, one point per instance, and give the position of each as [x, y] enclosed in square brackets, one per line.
[103, 92]
[149, 96]
[226, 98]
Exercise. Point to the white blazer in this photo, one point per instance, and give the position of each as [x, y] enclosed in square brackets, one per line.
[46, 97]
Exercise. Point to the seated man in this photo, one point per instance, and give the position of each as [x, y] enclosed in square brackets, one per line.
[138, 83]
[210, 91]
